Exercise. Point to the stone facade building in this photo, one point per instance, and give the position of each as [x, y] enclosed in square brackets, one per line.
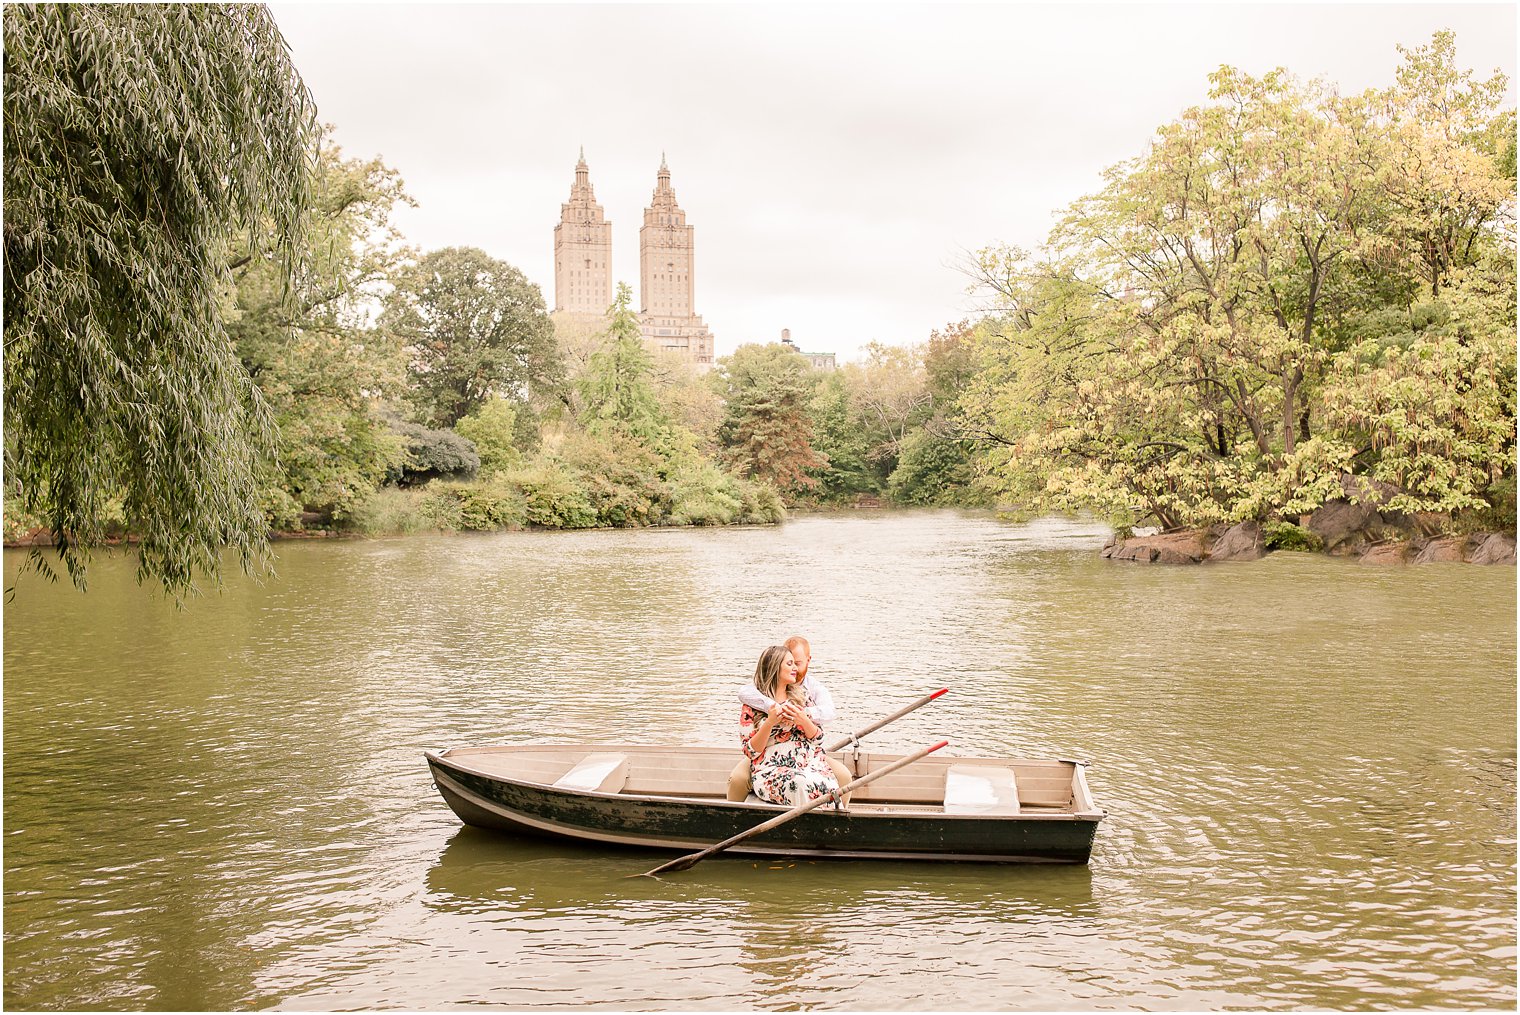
[667, 268]
[667, 278]
[582, 251]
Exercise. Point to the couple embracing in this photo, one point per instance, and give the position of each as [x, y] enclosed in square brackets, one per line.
[781, 732]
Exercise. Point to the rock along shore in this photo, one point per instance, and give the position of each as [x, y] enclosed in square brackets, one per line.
[1357, 525]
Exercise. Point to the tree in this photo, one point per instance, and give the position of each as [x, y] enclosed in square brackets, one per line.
[889, 393]
[839, 437]
[615, 387]
[431, 454]
[493, 430]
[138, 139]
[932, 471]
[475, 326]
[311, 350]
[1219, 333]
[767, 431]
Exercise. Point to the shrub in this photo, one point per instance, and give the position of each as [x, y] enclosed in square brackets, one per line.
[702, 494]
[392, 511]
[551, 496]
[1287, 536]
[620, 478]
[932, 471]
[759, 503]
[491, 505]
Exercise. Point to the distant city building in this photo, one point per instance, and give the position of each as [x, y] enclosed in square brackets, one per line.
[582, 251]
[666, 278]
[818, 360]
[667, 262]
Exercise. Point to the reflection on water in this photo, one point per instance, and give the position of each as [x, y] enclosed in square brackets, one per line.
[1309, 768]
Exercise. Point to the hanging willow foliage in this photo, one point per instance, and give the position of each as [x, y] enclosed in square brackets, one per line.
[138, 140]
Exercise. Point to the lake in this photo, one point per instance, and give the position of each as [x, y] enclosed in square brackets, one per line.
[1308, 766]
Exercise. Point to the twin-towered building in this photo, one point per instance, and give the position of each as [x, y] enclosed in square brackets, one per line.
[583, 267]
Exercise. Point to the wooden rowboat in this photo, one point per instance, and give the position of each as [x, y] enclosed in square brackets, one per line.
[938, 808]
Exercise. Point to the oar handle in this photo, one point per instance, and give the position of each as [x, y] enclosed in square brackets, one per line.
[691, 860]
[878, 724]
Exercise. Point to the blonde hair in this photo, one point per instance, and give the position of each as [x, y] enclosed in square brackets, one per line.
[768, 674]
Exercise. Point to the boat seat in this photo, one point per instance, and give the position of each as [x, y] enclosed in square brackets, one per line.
[596, 773]
[980, 789]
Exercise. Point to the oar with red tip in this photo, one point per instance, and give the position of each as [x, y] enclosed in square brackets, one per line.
[692, 859]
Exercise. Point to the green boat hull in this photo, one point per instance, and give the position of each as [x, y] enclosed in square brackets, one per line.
[687, 825]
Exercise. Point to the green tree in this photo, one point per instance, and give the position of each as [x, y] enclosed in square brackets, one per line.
[493, 430]
[840, 439]
[767, 430]
[888, 395]
[138, 139]
[615, 387]
[315, 358]
[433, 454]
[1199, 344]
[933, 470]
[475, 326]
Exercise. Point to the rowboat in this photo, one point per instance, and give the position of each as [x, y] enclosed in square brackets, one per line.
[936, 808]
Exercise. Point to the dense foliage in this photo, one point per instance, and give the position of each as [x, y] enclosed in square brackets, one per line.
[474, 327]
[767, 429]
[307, 344]
[139, 139]
[1288, 287]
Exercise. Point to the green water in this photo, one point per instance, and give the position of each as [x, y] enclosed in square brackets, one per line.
[1309, 769]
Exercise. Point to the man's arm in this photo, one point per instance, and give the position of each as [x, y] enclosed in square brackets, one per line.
[751, 696]
[822, 710]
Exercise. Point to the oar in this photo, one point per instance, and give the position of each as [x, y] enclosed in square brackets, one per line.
[878, 724]
[692, 859]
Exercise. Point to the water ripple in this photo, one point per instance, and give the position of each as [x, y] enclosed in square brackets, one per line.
[1309, 769]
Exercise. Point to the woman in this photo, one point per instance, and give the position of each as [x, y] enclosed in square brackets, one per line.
[784, 746]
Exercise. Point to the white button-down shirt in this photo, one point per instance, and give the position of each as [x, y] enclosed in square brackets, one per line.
[821, 711]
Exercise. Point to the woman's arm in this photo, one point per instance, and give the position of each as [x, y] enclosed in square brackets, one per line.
[753, 736]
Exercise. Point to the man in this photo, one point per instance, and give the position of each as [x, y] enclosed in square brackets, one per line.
[802, 653]
[820, 712]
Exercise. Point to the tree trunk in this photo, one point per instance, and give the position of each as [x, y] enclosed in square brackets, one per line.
[1290, 409]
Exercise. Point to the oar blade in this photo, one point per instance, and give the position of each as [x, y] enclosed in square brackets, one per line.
[680, 863]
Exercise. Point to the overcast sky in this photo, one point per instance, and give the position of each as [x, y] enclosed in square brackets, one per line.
[836, 161]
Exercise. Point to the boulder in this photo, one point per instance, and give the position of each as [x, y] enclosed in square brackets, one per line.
[1429, 523]
[1446, 550]
[1387, 553]
[1239, 542]
[1165, 548]
[1493, 548]
[1340, 521]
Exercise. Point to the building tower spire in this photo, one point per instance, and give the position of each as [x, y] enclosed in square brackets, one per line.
[582, 250]
[666, 277]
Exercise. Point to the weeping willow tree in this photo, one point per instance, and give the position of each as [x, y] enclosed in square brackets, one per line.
[139, 140]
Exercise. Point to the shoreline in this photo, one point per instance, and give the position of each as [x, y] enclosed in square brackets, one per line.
[1247, 542]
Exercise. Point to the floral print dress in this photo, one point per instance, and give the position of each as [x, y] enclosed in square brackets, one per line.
[792, 769]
